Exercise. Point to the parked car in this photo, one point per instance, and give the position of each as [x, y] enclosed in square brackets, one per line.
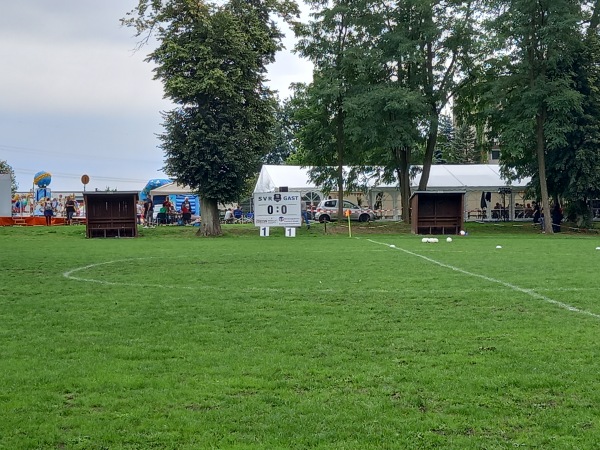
[327, 210]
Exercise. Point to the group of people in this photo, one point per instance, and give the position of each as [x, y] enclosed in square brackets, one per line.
[499, 212]
[145, 211]
[233, 214]
[49, 208]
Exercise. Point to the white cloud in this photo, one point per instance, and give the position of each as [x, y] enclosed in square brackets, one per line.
[53, 77]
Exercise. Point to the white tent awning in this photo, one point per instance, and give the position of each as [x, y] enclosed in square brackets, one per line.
[172, 189]
[295, 178]
[468, 177]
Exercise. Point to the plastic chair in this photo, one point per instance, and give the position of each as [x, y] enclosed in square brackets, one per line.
[161, 218]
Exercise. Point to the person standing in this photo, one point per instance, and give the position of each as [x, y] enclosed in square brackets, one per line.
[70, 210]
[167, 204]
[186, 211]
[139, 211]
[148, 212]
[166, 211]
[557, 217]
[48, 211]
[536, 212]
[305, 214]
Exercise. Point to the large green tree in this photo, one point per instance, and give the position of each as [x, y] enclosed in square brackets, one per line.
[574, 168]
[423, 48]
[532, 89]
[212, 59]
[393, 67]
[327, 41]
[384, 117]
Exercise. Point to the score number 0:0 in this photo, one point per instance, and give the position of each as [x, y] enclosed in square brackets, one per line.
[283, 209]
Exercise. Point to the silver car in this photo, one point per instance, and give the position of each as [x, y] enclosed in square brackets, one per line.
[327, 210]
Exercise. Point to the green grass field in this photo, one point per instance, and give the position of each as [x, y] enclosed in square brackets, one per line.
[169, 341]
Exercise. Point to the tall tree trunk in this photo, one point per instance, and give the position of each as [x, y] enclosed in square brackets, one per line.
[403, 158]
[431, 143]
[340, 143]
[211, 225]
[541, 158]
[434, 115]
[595, 19]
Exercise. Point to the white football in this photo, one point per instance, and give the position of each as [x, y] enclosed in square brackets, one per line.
[498, 246]
[392, 246]
[462, 232]
[424, 240]
[448, 239]
[435, 240]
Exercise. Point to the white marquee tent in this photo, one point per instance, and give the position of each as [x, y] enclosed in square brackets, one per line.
[482, 177]
[474, 179]
[295, 178]
[469, 177]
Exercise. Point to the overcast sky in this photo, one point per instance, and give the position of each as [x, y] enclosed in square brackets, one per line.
[76, 99]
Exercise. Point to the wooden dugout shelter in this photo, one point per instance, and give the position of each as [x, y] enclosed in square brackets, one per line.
[437, 212]
[111, 214]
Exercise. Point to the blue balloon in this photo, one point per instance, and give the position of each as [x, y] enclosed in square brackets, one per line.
[42, 179]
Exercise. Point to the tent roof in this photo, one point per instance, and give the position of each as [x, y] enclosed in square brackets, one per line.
[463, 176]
[272, 178]
[172, 189]
[442, 177]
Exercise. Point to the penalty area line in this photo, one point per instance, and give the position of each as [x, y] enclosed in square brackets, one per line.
[511, 286]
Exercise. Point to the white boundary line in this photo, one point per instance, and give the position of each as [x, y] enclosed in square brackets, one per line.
[529, 292]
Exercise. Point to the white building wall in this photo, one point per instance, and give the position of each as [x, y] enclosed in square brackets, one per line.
[5, 195]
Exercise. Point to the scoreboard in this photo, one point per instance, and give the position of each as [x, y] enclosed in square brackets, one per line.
[277, 209]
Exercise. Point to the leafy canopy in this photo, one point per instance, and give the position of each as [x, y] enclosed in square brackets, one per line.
[212, 60]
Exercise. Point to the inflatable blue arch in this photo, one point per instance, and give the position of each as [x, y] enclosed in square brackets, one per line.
[153, 184]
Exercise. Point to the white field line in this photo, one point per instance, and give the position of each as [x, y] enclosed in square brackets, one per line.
[69, 274]
[529, 292]
[569, 289]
